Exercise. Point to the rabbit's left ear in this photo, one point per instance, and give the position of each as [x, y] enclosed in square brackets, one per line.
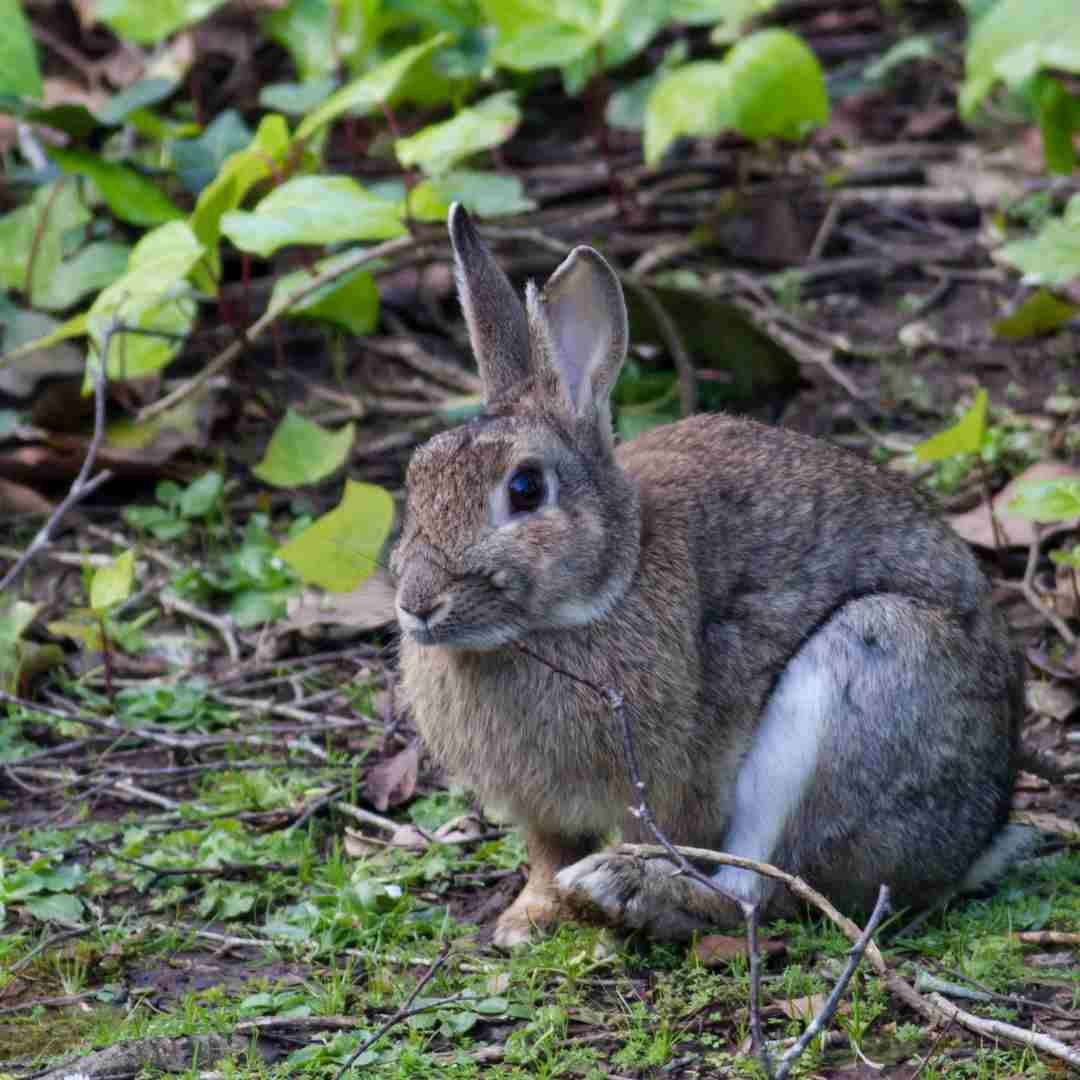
[579, 320]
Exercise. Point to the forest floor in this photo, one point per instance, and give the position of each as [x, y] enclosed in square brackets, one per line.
[223, 850]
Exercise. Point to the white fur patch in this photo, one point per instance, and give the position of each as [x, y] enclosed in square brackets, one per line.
[780, 764]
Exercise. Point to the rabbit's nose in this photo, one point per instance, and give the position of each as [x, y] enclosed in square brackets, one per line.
[422, 612]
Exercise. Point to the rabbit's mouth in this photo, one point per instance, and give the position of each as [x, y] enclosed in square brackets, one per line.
[440, 628]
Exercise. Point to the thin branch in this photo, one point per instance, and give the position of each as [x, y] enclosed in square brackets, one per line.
[83, 485]
[222, 624]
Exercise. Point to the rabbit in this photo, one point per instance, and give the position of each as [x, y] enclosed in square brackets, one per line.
[813, 671]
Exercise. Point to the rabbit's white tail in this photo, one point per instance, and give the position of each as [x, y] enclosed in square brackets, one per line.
[1009, 846]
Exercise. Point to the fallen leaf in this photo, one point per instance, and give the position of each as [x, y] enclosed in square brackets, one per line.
[359, 846]
[974, 525]
[715, 950]
[1051, 824]
[1050, 699]
[367, 607]
[459, 829]
[17, 499]
[393, 781]
[409, 836]
[801, 1008]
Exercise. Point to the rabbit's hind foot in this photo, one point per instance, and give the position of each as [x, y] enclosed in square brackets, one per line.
[533, 911]
[632, 892]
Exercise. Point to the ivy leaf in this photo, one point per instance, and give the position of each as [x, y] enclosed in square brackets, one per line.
[153, 295]
[313, 210]
[1050, 501]
[302, 452]
[1015, 40]
[439, 147]
[130, 195]
[149, 23]
[19, 71]
[964, 437]
[198, 161]
[371, 91]
[778, 88]
[340, 550]
[111, 584]
[1038, 314]
[694, 99]
[241, 171]
[351, 302]
[481, 193]
[1052, 257]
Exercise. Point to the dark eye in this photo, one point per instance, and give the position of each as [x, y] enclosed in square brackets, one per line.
[526, 488]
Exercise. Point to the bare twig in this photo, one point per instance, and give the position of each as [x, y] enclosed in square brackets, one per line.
[400, 1015]
[220, 623]
[83, 484]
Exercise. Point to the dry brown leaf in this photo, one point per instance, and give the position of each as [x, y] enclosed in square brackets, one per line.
[17, 499]
[409, 836]
[459, 829]
[974, 526]
[715, 950]
[365, 608]
[392, 782]
[801, 1008]
[359, 846]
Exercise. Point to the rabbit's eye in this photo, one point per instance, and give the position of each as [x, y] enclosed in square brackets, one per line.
[526, 489]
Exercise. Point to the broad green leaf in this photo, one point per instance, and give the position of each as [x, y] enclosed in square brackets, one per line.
[130, 195]
[307, 28]
[147, 23]
[112, 584]
[371, 91]
[1038, 314]
[1050, 501]
[626, 107]
[1065, 557]
[32, 237]
[296, 99]
[14, 621]
[1052, 257]
[301, 452]
[57, 907]
[76, 326]
[1057, 112]
[199, 161]
[139, 95]
[439, 147]
[695, 99]
[202, 495]
[313, 210]
[241, 171]
[341, 549]
[626, 38]
[1015, 40]
[729, 16]
[964, 437]
[481, 193]
[351, 302]
[19, 72]
[777, 86]
[152, 295]
[88, 271]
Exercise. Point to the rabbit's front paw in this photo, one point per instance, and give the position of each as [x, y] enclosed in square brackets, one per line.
[635, 893]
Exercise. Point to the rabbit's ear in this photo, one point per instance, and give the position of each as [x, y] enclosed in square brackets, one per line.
[494, 313]
[580, 316]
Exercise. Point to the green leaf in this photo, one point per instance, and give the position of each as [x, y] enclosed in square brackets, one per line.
[351, 302]
[1057, 113]
[148, 23]
[731, 17]
[371, 91]
[313, 210]
[202, 495]
[296, 99]
[198, 161]
[481, 193]
[1015, 40]
[130, 195]
[241, 171]
[76, 326]
[301, 452]
[32, 237]
[19, 72]
[439, 147]
[340, 550]
[695, 99]
[492, 1006]
[307, 29]
[964, 437]
[1038, 314]
[153, 295]
[1052, 257]
[1049, 501]
[139, 95]
[15, 619]
[777, 86]
[111, 584]
[90, 270]
[58, 907]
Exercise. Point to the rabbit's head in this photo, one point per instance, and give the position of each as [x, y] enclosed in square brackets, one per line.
[520, 521]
